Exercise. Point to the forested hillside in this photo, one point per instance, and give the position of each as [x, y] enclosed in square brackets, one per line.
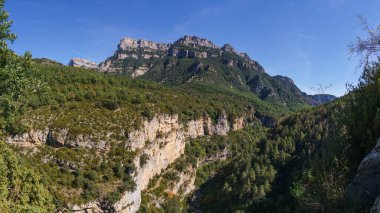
[182, 127]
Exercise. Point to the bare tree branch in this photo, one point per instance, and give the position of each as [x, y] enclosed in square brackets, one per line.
[321, 88]
[368, 48]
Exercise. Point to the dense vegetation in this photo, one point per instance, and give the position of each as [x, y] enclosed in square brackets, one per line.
[105, 107]
[21, 189]
[77, 176]
[213, 72]
[303, 164]
[312, 154]
[67, 89]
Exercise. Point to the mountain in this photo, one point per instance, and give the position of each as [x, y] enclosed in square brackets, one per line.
[182, 127]
[319, 99]
[191, 60]
[143, 132]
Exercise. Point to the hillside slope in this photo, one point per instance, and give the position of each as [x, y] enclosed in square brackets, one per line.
[88, 133]
[190, 60]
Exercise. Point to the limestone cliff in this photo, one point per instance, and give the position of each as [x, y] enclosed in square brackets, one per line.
[185, 47]
[55, 138]
[162, 139]
[84, 63]
[130, 43]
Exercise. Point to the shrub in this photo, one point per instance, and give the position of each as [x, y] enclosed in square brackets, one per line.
[143, 159]
[109, 104]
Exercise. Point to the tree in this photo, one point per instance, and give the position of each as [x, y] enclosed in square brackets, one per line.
[13, 83]
[369, 47]
[363, 111]
[21, 190]
[5, 33]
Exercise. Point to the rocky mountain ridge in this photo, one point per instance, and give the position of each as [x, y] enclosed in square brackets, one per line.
[191, 59]
[185, 47]
[319, 99]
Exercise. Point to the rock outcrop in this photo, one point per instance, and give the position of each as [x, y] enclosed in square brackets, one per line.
[185, 47]
[55, 138]
[84, 63]
[162, 139]
[376, 205]
[195, 42]
[132, 44]
[363, 191]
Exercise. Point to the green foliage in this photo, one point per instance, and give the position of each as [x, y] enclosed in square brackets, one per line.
[87, 102]
[282, 169]
[82, 175]
[21, 190]
[247, 177]
[215, 72]
[173, 206]
[143, 159]
[5, 28]
[109, 104]
[363, 112]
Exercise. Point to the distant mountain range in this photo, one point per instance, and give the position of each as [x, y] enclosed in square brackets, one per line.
[191, 59]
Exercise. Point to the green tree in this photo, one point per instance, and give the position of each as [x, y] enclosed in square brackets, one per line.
[21, 190]
[13, 83]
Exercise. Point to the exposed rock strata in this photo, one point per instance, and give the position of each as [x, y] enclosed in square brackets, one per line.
[79, 62]
[163, 139]
[185, 47]
[130, 43]
[56, 138]
[166, 142]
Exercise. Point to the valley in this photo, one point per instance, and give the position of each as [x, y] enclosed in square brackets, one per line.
[187, 126]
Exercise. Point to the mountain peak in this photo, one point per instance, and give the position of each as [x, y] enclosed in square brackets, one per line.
[231, 49]
[128, 43]
[84, 63]
[194, 41]
[185, 47]
[228, 48]
[284, 79]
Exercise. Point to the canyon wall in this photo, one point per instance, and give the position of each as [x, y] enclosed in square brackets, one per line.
[162, 140]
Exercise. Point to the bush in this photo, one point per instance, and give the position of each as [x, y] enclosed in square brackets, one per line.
[143, 159]
[148, 113]
[109, 104]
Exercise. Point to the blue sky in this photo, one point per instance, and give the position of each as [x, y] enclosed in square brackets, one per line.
[305, 40]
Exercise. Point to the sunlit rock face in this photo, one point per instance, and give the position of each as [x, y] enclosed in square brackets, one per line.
[162, 138]
[84, 63]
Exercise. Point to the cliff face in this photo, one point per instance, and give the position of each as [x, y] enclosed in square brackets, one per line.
[79, 62]
[55, 138]
[185, 47]
[130, 44]
[162, 139]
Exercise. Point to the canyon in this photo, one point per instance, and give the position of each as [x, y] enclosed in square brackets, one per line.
[163, 139]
